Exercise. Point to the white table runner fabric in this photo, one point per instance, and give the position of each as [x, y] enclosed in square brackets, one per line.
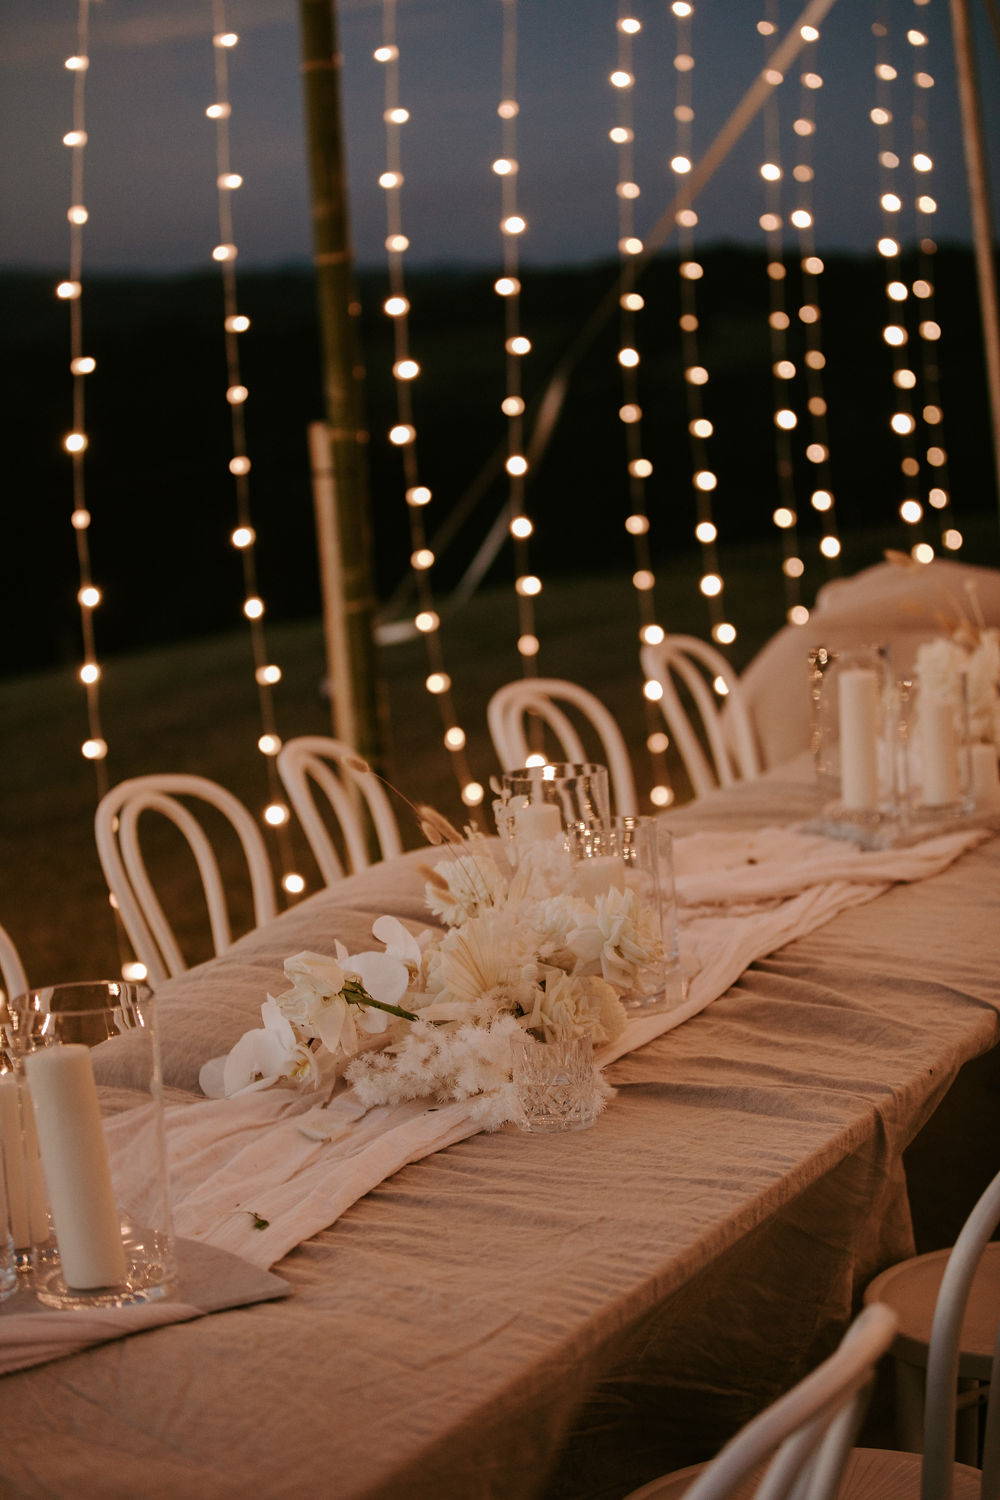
[741, 897]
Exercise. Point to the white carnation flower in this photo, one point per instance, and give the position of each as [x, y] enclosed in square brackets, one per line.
[624, 936]
[580, 1005]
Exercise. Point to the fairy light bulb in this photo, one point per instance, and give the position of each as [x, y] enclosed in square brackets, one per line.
[293, 883]
[269, 744]
[276, 814]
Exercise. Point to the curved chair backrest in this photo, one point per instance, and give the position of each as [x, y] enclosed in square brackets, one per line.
[728, 731]
[943, 1357]
[315, 760]
[116, 826]
[12, 973]
[807, 1433]
[541, 697]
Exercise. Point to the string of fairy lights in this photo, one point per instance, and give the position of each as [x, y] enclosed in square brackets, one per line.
[630, 305]
[931, 416]
[701, 430]
[783, 368]
[910, 331]
[267, 673]
[82, 365]
[403, 433]
[811, 270]
[76, 442]
[517, 345]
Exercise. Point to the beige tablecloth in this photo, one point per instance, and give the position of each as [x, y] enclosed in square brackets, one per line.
[567, 1315]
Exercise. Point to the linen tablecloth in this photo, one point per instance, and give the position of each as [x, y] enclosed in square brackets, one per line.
[565, 1315]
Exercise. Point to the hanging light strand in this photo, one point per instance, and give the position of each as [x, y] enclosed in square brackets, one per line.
[82, 366]
[630, 305]
[403, 434]
[783, 370]
[516, 346]
[704, 480]
[275, 814]
[811, 267]
[895, 332]
[928, 328]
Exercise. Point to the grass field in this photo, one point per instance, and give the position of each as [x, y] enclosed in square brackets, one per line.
[192, 707]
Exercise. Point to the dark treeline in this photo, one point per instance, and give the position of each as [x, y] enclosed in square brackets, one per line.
[161, 496]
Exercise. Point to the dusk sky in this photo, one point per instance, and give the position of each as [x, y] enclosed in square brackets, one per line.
[150, 158]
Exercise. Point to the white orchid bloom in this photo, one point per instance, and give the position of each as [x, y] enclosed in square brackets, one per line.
[398, 943]
[260, 1058]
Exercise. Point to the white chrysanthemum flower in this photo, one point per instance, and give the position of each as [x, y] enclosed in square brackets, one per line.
[553, 920]
[580, 1005]
[465, 887]
[623, 936]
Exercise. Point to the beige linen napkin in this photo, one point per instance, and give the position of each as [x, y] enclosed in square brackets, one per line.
[208, 1280]
[238, 1162]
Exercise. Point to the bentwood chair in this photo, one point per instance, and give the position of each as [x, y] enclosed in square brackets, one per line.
[117, 829]
[12, 973]
[885, 1474]
[697, 667]
[799, 1445]
[314, 762]
[958, 1290]
[542, 698]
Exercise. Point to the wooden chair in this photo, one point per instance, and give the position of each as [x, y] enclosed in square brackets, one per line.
[313, 760]
[799, 1445]
[946, 1354]
[116, 827]
[541, 697]
[885, 1474]
[727, 730]
[12, 973]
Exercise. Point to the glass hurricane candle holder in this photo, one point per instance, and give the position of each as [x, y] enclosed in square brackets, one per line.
[937, 749]
[540, 802]
[854, 733]
[635, 854]
[88, 1055]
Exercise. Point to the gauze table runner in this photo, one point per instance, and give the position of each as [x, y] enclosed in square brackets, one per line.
[236, 1162]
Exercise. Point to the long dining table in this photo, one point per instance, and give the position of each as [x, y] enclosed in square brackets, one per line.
[569, 1315]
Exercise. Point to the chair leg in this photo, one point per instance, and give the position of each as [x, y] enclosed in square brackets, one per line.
[910, 1386]
[968, 1421]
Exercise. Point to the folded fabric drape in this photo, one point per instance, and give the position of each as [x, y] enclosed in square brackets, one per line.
[237, 1162]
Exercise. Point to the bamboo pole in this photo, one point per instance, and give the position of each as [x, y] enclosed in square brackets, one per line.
[354, 694]
[979, 201]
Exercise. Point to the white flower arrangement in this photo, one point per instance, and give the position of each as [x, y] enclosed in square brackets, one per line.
[523, 951]
[965, 647]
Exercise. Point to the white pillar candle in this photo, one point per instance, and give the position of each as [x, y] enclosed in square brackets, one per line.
[75, 1161]
[18, 1198]
[938, 751]
[38, 1203]
[857, 694]
[984, 776]
[537, 821]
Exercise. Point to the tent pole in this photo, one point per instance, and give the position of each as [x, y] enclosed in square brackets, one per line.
[979, 199]
[353, 696]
